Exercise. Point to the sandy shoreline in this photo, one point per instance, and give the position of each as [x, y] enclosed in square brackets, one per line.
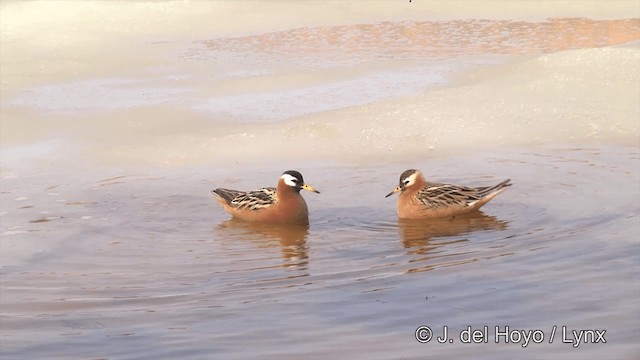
[236, 93]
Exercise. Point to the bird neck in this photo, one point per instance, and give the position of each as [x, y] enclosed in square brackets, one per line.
[284, 190]
[416, 186]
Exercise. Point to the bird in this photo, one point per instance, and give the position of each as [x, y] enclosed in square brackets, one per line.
[420, 199]
[282, 204]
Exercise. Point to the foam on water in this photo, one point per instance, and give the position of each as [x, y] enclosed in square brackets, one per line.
[95, 94]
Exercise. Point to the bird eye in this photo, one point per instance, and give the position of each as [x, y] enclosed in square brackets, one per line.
[406, 181]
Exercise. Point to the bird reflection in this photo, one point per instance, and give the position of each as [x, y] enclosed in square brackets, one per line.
[417, 234]
[292, 238]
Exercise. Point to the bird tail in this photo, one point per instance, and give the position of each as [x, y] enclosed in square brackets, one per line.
[225, 195]
[494, 190]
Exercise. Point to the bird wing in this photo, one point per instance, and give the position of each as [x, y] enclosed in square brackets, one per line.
[436, 195]
[254, 200]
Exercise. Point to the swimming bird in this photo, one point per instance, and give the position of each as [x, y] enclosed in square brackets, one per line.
[282, 204]
[420, 199]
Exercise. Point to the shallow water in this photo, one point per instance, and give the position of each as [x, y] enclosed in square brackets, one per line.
[111, 246]
[140, 265]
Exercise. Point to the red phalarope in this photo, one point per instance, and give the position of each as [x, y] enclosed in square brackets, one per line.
[282, 204]
[420, 199]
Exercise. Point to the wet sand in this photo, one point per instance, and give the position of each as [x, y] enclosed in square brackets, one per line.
[111, 246]
[523, 83]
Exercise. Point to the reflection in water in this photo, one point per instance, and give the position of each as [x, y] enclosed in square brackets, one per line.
[417, 236]
[292, 238]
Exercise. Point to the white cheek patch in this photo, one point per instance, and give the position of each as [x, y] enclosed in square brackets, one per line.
[411, 180]
[289, 180]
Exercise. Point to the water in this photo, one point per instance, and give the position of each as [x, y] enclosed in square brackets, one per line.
[140, 265]
[111, 246]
